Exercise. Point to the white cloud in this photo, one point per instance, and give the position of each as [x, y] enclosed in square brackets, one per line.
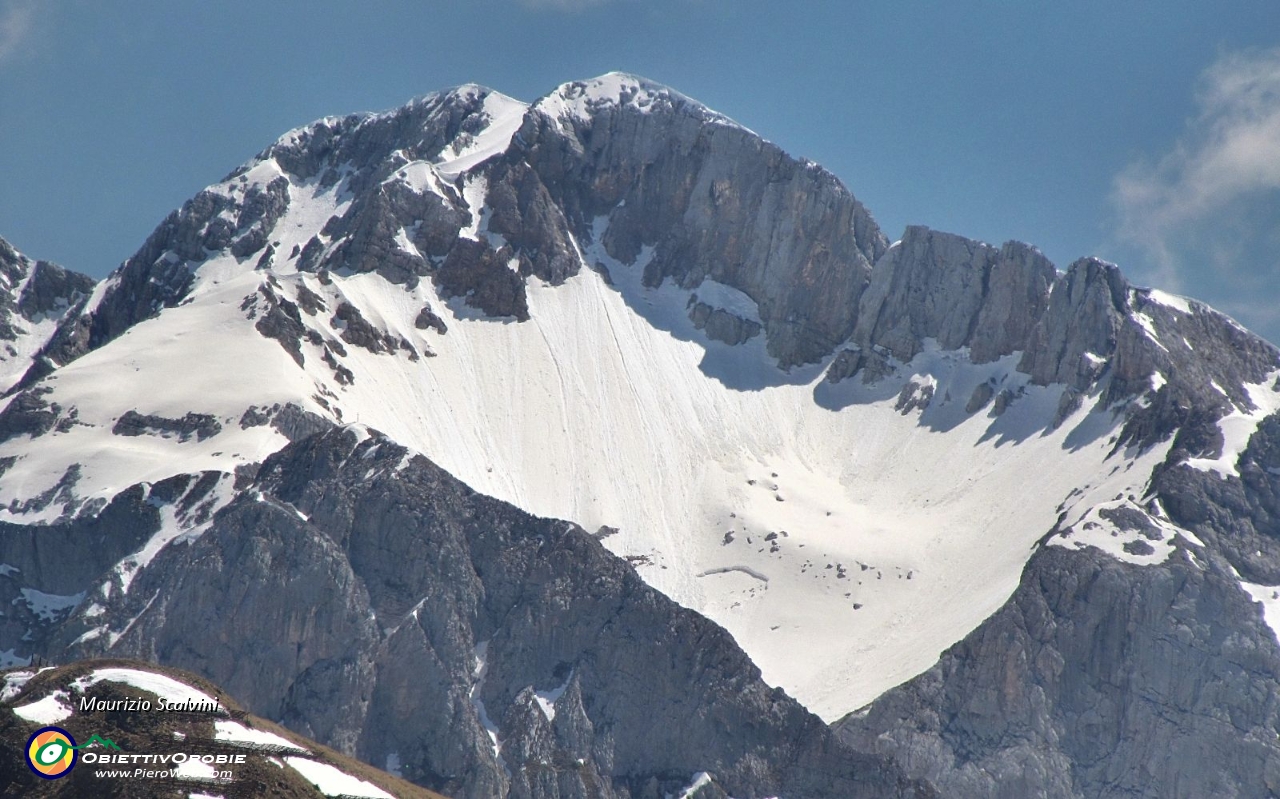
[1209, 206]
[16, 18]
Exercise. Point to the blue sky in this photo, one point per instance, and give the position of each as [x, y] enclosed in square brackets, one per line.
[1148, 135]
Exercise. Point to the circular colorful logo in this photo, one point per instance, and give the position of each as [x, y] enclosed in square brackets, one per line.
[51, 752]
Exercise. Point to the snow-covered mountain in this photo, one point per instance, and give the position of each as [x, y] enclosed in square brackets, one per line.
[621, 309]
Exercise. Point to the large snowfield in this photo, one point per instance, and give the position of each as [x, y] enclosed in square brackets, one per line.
[844, 543]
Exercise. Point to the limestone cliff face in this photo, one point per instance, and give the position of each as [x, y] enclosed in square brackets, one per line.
[960, 292]
[714, 201]
[364, 597]
[1097, 679]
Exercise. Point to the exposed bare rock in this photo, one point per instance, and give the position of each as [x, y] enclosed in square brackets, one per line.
[960, 292]
[428, 320]
[722, 325]
[382, 606]
[357, 331]
[29, 414]
[981, 395]
[200, 425]
[714, 200]
[480, 276]
[871, 363]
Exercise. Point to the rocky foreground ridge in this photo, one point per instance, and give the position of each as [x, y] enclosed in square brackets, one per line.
[252, 757]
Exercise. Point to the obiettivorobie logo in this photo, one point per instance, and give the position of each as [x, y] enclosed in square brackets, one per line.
[51, 751]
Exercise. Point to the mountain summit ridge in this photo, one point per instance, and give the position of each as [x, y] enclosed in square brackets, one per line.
[615, 307]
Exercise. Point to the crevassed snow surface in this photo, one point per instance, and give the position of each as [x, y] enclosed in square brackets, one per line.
[333, 782]
[844, 545]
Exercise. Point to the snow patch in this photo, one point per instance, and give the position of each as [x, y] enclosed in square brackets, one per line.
[14, 682]
[581, 100]
[481, 669]
[700, 780]
[49, 607]
[236, 733]
[1239, 426]
[727, 298]
[334, 782]
[194, 769]
[547, 699]
[1170, 300]
[53, 709]
[1269, 597]
[1148, 326]
[166, 688]
[174, 527]
[506, 115]
[1125, 531]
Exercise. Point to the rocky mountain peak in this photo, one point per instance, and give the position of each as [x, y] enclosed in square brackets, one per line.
[34, 297]
[579, 102]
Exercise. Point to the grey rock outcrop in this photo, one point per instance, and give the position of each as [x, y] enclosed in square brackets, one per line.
[722, 325]
[200, 425]
[714, 201]
[1097, 679]
[1084, 316]
[383, 607]
[28, 413]
[961, 292]
[32, 292]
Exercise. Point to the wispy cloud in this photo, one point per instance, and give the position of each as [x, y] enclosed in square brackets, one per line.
[1208, 208]
[16, 20]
